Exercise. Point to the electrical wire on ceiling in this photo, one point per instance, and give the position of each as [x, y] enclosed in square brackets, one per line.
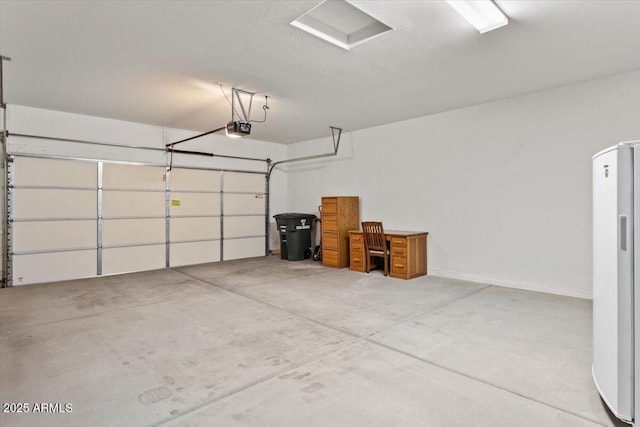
[224, 93]
[265, 107]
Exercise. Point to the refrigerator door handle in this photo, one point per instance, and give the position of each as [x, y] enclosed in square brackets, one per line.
[623, 232]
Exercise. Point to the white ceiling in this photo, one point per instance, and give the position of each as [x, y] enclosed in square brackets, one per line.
[158, 62]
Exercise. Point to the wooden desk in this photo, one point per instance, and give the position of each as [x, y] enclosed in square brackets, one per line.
[408, 252]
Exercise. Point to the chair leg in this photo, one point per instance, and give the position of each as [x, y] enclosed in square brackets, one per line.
[386, 265]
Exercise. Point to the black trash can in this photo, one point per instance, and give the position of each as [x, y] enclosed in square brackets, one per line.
[295, 235]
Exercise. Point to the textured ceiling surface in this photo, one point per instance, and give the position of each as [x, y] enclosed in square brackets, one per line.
[158, 62]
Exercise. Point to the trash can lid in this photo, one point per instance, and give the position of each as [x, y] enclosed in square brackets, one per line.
[293, 215]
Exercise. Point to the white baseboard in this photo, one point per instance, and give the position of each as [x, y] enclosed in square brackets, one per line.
[516, 285]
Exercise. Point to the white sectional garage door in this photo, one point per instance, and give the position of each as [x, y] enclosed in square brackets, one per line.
[194, 227]
[244, 215]
[133, 218]
[54, 209]
[71, 219]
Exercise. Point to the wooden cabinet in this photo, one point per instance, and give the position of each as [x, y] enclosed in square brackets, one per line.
[339, 215]
[408, 253]
[356, 251]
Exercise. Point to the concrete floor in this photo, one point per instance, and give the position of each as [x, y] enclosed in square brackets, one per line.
[276, 343]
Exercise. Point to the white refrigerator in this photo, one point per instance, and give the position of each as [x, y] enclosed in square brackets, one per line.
[616, 278]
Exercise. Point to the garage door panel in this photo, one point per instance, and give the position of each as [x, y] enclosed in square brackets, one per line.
[132, 204]
[237, 226]
[194, 180]
[54, 173]
[194, 253]
[137, 258]
[38, 203]
[194, 229]
[133, 231]
[244, 248]
[116, 176]
[52, 267]
[238, 204]
[52, 235]
[133, 212]
[186, 204]
[238, 181]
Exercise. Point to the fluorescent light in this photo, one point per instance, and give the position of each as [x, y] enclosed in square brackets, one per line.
[482, 14]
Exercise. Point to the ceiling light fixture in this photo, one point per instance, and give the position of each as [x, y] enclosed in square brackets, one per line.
[485, 15]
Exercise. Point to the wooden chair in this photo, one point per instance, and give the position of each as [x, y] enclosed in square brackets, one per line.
[375, 244]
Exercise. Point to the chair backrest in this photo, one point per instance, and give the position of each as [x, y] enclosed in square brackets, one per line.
[374, 235]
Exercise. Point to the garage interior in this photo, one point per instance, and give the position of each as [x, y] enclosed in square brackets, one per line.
[147, 147]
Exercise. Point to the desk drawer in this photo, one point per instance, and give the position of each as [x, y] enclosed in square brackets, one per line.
[399, 265]
[399, 242]
[357, 238]
[357, 262]
[399, 251]
[329, 257]
[357, 247]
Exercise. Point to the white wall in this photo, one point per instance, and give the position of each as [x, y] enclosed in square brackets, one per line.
[503, 188]
[34, 121]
